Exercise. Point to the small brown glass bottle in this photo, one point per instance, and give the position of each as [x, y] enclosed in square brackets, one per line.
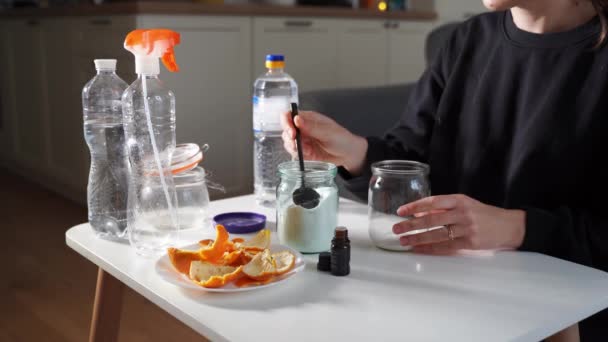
[340, 252]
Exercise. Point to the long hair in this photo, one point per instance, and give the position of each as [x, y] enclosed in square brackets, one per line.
[601, 7]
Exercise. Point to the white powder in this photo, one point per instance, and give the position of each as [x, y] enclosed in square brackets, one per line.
[309, 230]
[381, 231]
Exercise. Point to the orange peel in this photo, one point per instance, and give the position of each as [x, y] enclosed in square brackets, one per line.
[265, 265]
[215, 252]
[284, 261]
[223, 260]
[181, 259]
[206, 242]
[247, 282]
[259, 242]
[232, 258]
[210, 275]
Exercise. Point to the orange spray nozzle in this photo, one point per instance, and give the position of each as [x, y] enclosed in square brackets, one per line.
[156, 43]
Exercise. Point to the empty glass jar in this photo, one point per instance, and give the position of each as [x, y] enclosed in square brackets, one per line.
[190, 187]
[393, 184]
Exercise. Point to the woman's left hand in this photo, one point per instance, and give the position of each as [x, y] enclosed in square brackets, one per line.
[468, 224]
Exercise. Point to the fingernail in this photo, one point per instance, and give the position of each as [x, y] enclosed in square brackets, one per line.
[396, 229]
[404, 241]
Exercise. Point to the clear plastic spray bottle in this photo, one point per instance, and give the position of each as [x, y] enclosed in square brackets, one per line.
[149, 120]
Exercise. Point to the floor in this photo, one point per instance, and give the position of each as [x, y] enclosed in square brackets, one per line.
[50, 288]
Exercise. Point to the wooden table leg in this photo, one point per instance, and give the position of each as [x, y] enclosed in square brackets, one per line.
[105, 323]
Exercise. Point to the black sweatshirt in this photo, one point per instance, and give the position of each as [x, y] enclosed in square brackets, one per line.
[516, 120]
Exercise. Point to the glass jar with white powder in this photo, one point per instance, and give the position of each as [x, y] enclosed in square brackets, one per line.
[393, 184]
[307, 230]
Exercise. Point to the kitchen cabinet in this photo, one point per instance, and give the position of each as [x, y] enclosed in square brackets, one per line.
[48, 61]
[7, 117]
[102, 37]
[213, 92]
[334, 53]
[361, 53]
[309, 46]
[69, 69]
[29, 96]
[406, 42]
[450, 10]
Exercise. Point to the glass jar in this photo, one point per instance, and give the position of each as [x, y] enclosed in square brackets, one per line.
[393, 184]
[190, 186]
[307, 230]
[192, 199]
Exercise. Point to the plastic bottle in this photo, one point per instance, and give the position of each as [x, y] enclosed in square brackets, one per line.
[149, 117]
[273, 94]
[107, 188]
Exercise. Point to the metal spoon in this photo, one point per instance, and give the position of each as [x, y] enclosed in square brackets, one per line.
[303, 196]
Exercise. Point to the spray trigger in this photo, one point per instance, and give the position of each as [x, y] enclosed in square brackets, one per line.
[148, 45]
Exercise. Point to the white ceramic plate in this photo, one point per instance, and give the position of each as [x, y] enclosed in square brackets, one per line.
[168, 273]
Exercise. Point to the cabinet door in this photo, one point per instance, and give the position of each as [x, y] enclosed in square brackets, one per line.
[362, 53]
[7, 116]
[450, 10]
[213, 93]
[30, 96]
[406, 44]
[103, 37]
[309, 46]
[70, 68]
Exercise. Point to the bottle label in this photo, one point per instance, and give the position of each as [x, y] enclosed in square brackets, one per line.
[267, 113]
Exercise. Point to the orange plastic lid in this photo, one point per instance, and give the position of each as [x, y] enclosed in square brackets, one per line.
[185, 157]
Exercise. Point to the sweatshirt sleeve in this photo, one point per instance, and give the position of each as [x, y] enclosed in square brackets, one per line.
[575, 231]
[575, 234]
[409, 138]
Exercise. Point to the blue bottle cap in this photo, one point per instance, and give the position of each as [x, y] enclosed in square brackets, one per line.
[241, 222]
[275, 58]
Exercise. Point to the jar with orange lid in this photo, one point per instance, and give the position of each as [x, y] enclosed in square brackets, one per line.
[153, 225]
[190, 187]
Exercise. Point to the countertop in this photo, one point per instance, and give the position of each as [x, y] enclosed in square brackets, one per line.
[187, 8]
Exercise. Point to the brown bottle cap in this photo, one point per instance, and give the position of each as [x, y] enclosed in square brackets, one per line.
[341, 233]
[324, 263]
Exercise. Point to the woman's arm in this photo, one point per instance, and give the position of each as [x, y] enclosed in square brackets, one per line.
[576, 234]
[408, 139]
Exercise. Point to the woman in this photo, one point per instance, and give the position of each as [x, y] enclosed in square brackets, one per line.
[511, 117]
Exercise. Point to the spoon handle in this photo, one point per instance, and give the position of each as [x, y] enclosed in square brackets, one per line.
[294, 113]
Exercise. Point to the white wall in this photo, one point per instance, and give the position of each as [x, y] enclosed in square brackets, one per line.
[451, 10]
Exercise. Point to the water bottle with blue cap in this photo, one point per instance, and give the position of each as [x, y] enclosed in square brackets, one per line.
[273, 93]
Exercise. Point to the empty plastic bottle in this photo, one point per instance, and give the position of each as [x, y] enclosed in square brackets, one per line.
[103, 131]
[273, 94]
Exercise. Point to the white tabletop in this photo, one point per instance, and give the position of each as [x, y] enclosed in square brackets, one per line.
[389, 296]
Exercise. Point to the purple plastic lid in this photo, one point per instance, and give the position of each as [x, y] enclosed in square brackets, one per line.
[241, 222]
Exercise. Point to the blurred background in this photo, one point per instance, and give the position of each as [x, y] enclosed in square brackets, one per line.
[47, 50]
[46, 53]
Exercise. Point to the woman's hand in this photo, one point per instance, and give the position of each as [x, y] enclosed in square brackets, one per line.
[325, 140]
[474, 225]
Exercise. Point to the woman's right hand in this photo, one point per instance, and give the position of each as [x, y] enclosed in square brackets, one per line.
[324, 140]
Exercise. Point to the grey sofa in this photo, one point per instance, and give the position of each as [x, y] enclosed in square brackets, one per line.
[370, 111]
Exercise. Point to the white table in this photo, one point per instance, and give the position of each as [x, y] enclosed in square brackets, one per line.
[389, 296]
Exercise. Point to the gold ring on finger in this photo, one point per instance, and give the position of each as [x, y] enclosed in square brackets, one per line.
[450, 231]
